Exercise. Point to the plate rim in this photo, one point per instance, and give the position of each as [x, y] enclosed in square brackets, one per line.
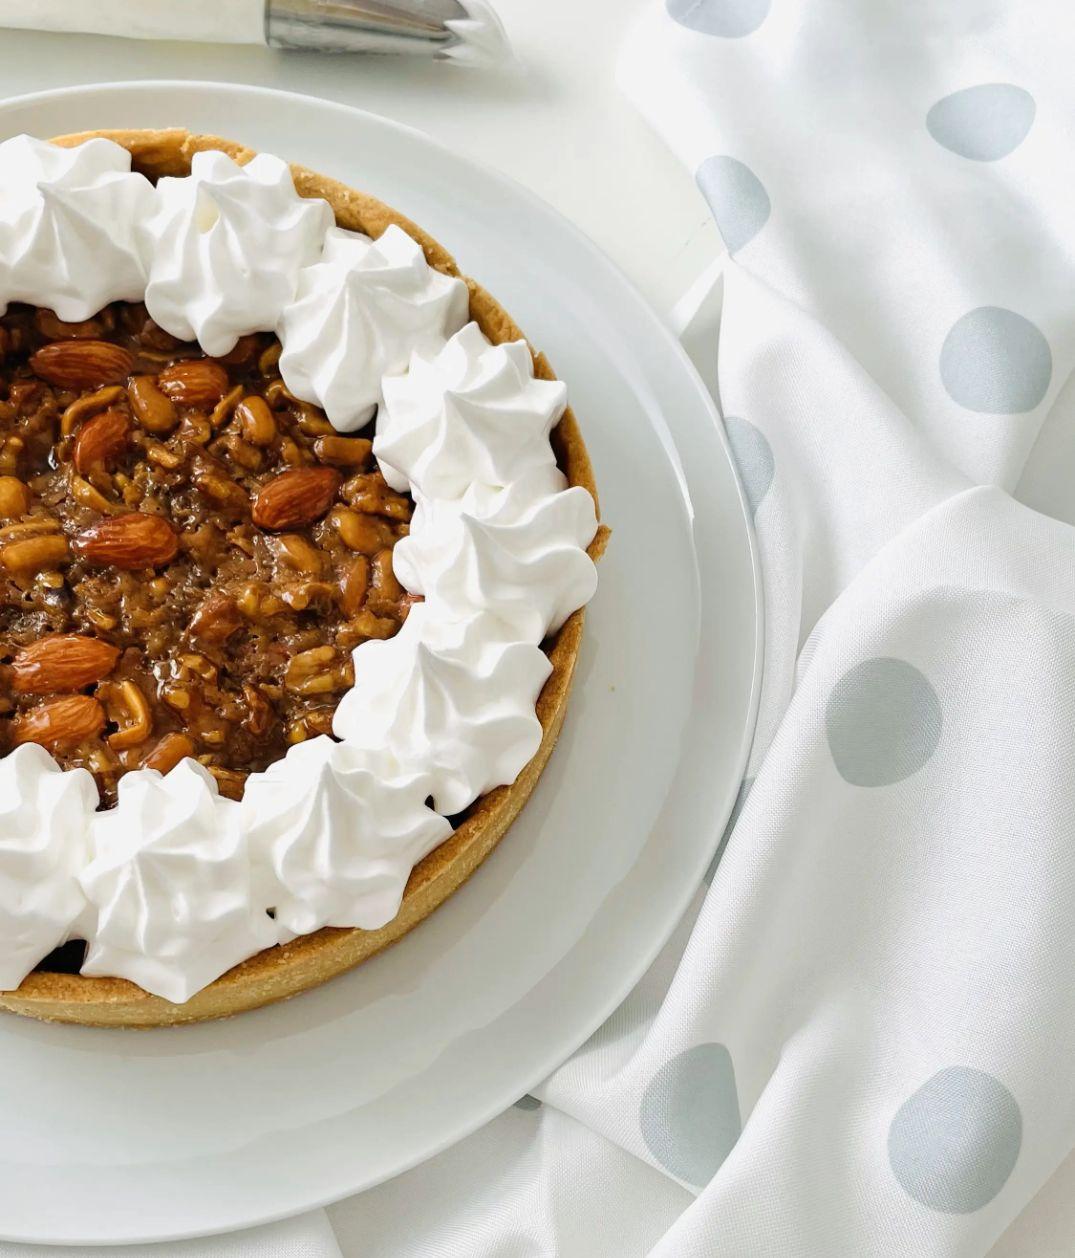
[627, 977]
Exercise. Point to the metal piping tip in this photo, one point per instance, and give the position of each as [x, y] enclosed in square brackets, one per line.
[455, 30]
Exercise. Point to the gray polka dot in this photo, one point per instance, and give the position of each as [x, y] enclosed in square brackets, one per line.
[996, 362]
[883, 722]
[690, 1113]
[727, 18]
[528, 1102]
[737, 198]
[737, 808]
[953, 1144]
[753, 457]
[984, 123]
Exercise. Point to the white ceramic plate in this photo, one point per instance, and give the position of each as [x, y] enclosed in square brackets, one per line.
[112, 1136]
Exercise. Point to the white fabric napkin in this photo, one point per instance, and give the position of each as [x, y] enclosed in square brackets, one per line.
[858, 1042]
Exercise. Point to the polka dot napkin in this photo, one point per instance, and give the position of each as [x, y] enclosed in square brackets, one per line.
[864, 1047]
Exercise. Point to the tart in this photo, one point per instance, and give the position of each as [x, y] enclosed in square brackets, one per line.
[269, 662]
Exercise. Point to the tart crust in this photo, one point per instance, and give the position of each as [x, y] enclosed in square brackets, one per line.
[285, 970]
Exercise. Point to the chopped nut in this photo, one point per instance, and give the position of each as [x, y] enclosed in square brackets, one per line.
[168, 752]
[14, 498]
[222, 412]
[298, 553]
[364, 533]
[139, 719]
[343, 451]
[89, 405]
[353, 585]
[256, 421]
[370, 493]
[82, 491]
[216, 619]
[34, 554]
[153, 410]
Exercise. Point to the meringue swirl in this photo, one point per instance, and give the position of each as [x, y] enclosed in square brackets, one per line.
[335, 837]
[518, 552]
[224, 248]
[451, 699]
[474, 412]
[358, 315]
[69, 223]
[170, 885]
[43, 814]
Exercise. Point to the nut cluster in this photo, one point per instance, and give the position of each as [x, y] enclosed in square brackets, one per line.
[188, 552]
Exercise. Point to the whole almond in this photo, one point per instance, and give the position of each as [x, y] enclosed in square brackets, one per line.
[130, 541]
[63, 722]
[295, 498]
[194, 382]
[61, 662]
[101, 440]
[81, 364]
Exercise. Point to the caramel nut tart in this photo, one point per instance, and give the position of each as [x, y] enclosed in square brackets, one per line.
[296, 534]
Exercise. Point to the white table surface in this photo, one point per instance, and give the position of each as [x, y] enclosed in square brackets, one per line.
[563, 130]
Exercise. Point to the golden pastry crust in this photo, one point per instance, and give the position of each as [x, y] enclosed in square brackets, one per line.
[283, 971]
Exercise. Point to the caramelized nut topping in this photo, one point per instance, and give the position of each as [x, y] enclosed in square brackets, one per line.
[184, 570]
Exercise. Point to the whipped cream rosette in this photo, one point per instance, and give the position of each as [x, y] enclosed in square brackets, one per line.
[451, 698]
[335, 835]
[170, 885]
[69, 222]
[474, 413]
[43, 837]
[359, 314]
[518, 552]
[225, 246]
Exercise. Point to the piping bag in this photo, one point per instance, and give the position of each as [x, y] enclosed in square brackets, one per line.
[464, 31]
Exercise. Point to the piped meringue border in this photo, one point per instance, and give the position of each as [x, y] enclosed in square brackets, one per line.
[310, 959]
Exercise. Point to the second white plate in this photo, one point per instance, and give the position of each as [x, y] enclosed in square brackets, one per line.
[121, 1137]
